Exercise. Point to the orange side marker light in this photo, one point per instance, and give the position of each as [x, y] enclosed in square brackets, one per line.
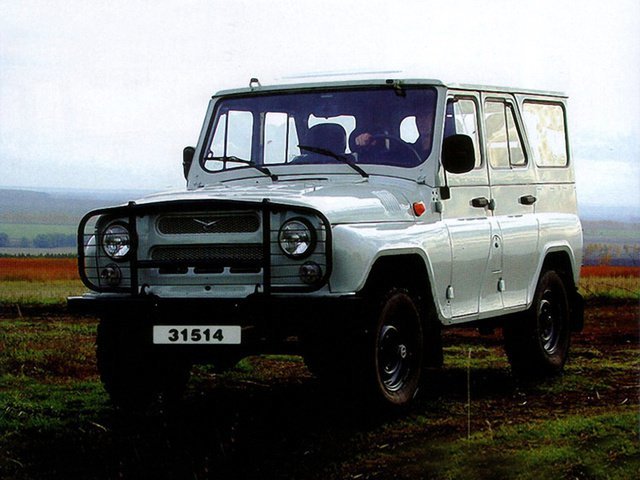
[419, 208]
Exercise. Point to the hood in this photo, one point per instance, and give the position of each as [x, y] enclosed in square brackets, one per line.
[340, 202]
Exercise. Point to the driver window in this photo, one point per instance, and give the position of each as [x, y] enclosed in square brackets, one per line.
[462, 118]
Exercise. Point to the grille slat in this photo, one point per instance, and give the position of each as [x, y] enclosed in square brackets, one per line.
[224, 255]
[198, 224]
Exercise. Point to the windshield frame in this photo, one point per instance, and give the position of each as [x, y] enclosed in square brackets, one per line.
[430, 99]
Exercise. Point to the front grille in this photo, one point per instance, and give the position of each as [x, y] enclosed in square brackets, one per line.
[219, 255]
[241, 222]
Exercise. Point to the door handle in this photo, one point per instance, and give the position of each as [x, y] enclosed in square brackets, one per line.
[480, 202]
[527, 200]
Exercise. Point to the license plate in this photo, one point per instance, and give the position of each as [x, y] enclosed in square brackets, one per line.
[196, 335]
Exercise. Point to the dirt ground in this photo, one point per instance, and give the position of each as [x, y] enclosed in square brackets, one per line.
[274, 420]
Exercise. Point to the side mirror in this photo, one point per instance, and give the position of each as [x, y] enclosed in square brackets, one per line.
[458, 154]
[187, 160]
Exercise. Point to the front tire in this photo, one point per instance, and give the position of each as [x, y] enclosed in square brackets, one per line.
[395, 350]
[537, 343]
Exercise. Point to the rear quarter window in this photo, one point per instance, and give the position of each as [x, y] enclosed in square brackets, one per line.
[504, 143]
[546, 131]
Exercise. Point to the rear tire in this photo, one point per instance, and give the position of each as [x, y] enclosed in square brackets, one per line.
[133, 374]
[537, 343]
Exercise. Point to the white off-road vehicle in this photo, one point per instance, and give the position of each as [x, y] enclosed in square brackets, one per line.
[347, 222]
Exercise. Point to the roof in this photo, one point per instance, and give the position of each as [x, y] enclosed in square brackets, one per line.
[321, 82]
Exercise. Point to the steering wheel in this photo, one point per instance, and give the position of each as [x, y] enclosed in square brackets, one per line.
[402, 143]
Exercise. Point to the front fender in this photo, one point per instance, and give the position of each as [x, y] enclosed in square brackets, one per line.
[357, 247]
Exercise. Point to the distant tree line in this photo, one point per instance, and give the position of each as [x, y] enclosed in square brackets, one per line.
[37, 255]
[43, 240]
[54, 240]
[611, 254]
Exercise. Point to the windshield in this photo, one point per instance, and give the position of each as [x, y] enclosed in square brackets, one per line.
[383, 126]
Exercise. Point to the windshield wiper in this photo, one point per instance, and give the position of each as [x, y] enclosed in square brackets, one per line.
[251, 163]
[340, 158]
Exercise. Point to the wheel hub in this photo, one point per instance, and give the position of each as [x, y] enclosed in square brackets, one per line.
[393, 356]
[548, 325]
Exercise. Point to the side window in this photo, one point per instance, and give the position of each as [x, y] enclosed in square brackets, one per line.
[546, 132]
[280, 138]
[516, 152]
[231, 138]
[462, 118]
[504, 142]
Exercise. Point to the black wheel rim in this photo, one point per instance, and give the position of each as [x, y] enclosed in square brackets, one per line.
[549, 322]
[394, 358]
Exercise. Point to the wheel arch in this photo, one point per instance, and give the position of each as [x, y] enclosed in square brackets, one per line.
[560, 261]
[407, 269]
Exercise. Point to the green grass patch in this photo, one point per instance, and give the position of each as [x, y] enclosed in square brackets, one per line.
[594, 359]
[49, 350]
[31, 230]
[601, 446]
[481, 357]
[610, 288]
[260, 369]
[27, 404]
[53, 292]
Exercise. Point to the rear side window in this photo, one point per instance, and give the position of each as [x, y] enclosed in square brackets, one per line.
[546, 132]
[504, 142]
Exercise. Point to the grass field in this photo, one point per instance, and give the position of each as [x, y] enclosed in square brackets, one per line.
[38, 281]
[610, 283]
[269, 418]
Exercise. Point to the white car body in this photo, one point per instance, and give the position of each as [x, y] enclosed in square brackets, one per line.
[480, 238]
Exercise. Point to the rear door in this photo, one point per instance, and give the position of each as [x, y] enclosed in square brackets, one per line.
[513, 192]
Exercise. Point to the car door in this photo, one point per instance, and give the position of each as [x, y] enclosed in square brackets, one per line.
[513, 192]
[466, 214]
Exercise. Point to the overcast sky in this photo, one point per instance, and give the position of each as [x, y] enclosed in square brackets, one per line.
[106, 94]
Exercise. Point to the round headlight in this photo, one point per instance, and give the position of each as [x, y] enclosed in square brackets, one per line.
[297, 238]
[116, 241]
